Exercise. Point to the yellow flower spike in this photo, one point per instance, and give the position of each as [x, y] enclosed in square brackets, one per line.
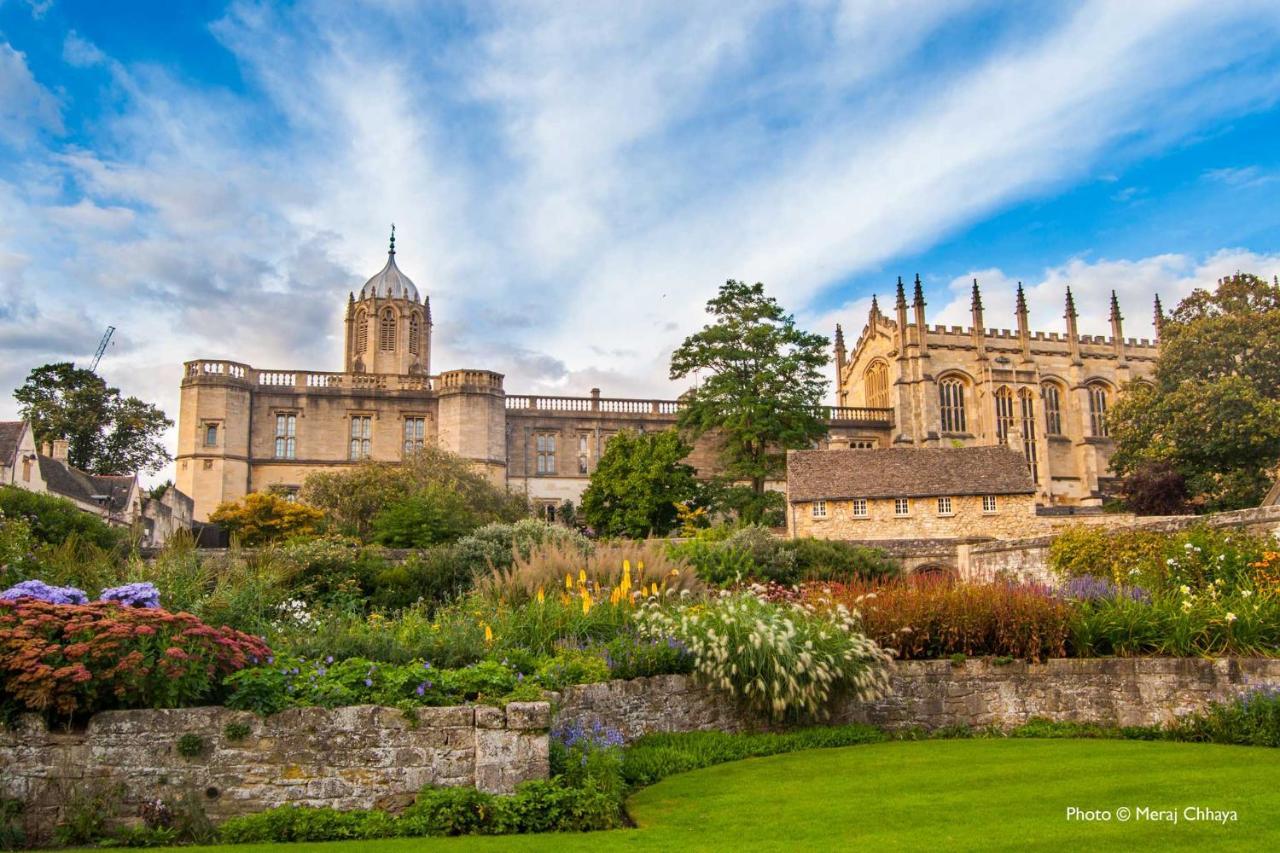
[541, 596]
[586, 602]
[582, 576]
[488, 634]
[654, 590]
[568, 581]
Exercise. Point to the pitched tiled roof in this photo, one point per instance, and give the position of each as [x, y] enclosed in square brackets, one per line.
[10, 436]
[61, 479]
[906, 472]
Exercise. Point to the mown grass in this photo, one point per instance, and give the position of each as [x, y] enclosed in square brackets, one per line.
[980, 794]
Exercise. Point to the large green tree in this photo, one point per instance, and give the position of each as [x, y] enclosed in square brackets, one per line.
[761, 384]
[1213, 413]
[638, 483]
[106, 433]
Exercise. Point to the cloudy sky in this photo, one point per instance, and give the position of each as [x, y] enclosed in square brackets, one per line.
[571, 181]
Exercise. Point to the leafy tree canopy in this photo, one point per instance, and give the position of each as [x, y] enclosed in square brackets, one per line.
[637, 485]
[1213, 416]
[105, 432]
[352, 498]
[262, 517]
[761, 382]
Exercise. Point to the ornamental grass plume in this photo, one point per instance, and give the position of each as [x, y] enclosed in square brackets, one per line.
[630, 564]
[783, 660]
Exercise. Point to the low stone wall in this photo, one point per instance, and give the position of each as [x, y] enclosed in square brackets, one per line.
[934, 694]
[356, 757]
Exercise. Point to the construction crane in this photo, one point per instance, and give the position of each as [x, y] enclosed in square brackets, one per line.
[102, 347]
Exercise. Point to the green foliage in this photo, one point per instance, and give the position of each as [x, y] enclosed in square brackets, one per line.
[656, 756]
[262, 517]
[236, 730]
[754, 553]
[55, 521]
[354, 497]
[1179, 625]
[1251, 720]
[12, 835]
[638, 484]
[1213, 415]
[432, 516]
[828, 559]
[87, 810]
[190, 746]
[760, 384]
[105, 432]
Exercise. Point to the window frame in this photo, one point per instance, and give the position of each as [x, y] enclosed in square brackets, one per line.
[213, 427]
[1099, 404]
[945, 506]
[990, 506]
[285, 444]
[413, 434]
[819, 509]
[953, 412]
[1051, 393]
[360, 438]
[544, 453]
[859, 509]
[902, 507]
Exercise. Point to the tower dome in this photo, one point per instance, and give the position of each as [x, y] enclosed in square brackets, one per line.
[389, 282]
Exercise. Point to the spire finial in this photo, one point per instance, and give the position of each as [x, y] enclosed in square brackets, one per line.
[839, 337]
[1071, 304]
[875, 307]
[393, 239]
[977, 297]
[919, 292]
[902, 295]
[1022, 300]
[1115, 307]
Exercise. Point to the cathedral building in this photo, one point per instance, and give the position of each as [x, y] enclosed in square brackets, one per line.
[1044, 394]
[243, 429]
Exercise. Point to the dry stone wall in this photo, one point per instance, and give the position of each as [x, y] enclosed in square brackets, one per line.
[935, 694]
[356, 757]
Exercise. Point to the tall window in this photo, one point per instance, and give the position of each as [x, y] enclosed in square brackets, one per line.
[210, 435]
[286, 436]
[545, 446]
[951, 394]
[387, 331]
[362, 331]
[415, 430]
[877, 382]
[1004, 413]
[361, 437]
[1028, 401]
[1098, 409]
[583, 443]
[414, 332]
[1052, 409]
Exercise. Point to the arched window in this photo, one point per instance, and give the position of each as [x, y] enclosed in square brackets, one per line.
[1098, 409]
[1028, 406]
[387, 332]
[1052, 408]
[413, 333]
[951, 397]
[362, 331]
[877, 383]
[1004, 413]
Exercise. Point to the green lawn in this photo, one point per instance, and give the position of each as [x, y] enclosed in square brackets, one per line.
[978, 794]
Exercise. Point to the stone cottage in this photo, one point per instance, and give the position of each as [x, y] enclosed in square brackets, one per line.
[910, 493]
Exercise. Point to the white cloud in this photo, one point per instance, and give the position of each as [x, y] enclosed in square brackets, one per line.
[26, 107]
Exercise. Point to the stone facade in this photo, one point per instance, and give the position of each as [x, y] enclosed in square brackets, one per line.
[348, 758]
[1013, 516]
[1042, 393]
[243, 429]
[935, 694]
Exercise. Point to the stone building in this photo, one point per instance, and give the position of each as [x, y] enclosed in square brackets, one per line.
[909, 493]
[1046, 394]
[19, 458]
[242, 429]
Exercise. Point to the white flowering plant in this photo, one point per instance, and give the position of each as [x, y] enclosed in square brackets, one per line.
[781, 659]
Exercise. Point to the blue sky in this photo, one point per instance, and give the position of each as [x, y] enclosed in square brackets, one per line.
[571, 181]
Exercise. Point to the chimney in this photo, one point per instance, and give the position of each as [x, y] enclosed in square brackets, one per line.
[59, 450]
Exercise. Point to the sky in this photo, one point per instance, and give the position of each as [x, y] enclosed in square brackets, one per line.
[570, 182]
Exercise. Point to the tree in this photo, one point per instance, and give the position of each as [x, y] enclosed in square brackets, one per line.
[262, 517]
[428, 517]
[105, 432]
[1213, 415]
[638, 484]
[763, 384]
[354, 497]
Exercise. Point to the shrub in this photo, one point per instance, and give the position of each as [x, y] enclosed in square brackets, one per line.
[54, 521]
[826, 559]
[79, 659]
[1251, 720]
[429, 517]
[777, 658]
[262, 517]
[236, 730]
[1181, 624]
[88, 809]
[935, 617]
[40, 591]
[770, 556]
[190, 746]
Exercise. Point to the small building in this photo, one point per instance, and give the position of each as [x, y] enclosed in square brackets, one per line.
[910, 493]
[117, 500]
[19, 462]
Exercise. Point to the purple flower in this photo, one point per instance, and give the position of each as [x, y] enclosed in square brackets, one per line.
[368, 682]
[1091, 588]
[329, 659]
[422, 688]
[41, 591]
[133, 595]
[320, 670]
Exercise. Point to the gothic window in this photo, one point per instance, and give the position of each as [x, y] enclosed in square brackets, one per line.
[362, 331]
[361, 437]
[1004, 413]
[877, 382]
[414, 332]
[1052, 409]
[583, 460]
[415, 430]
[545, 448]
[286, 436]
[387, 331]
[1098, 409]
[951, 394]
[862, 444]
[1028, 401]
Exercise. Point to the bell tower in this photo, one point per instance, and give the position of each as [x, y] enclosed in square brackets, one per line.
[388, 328]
